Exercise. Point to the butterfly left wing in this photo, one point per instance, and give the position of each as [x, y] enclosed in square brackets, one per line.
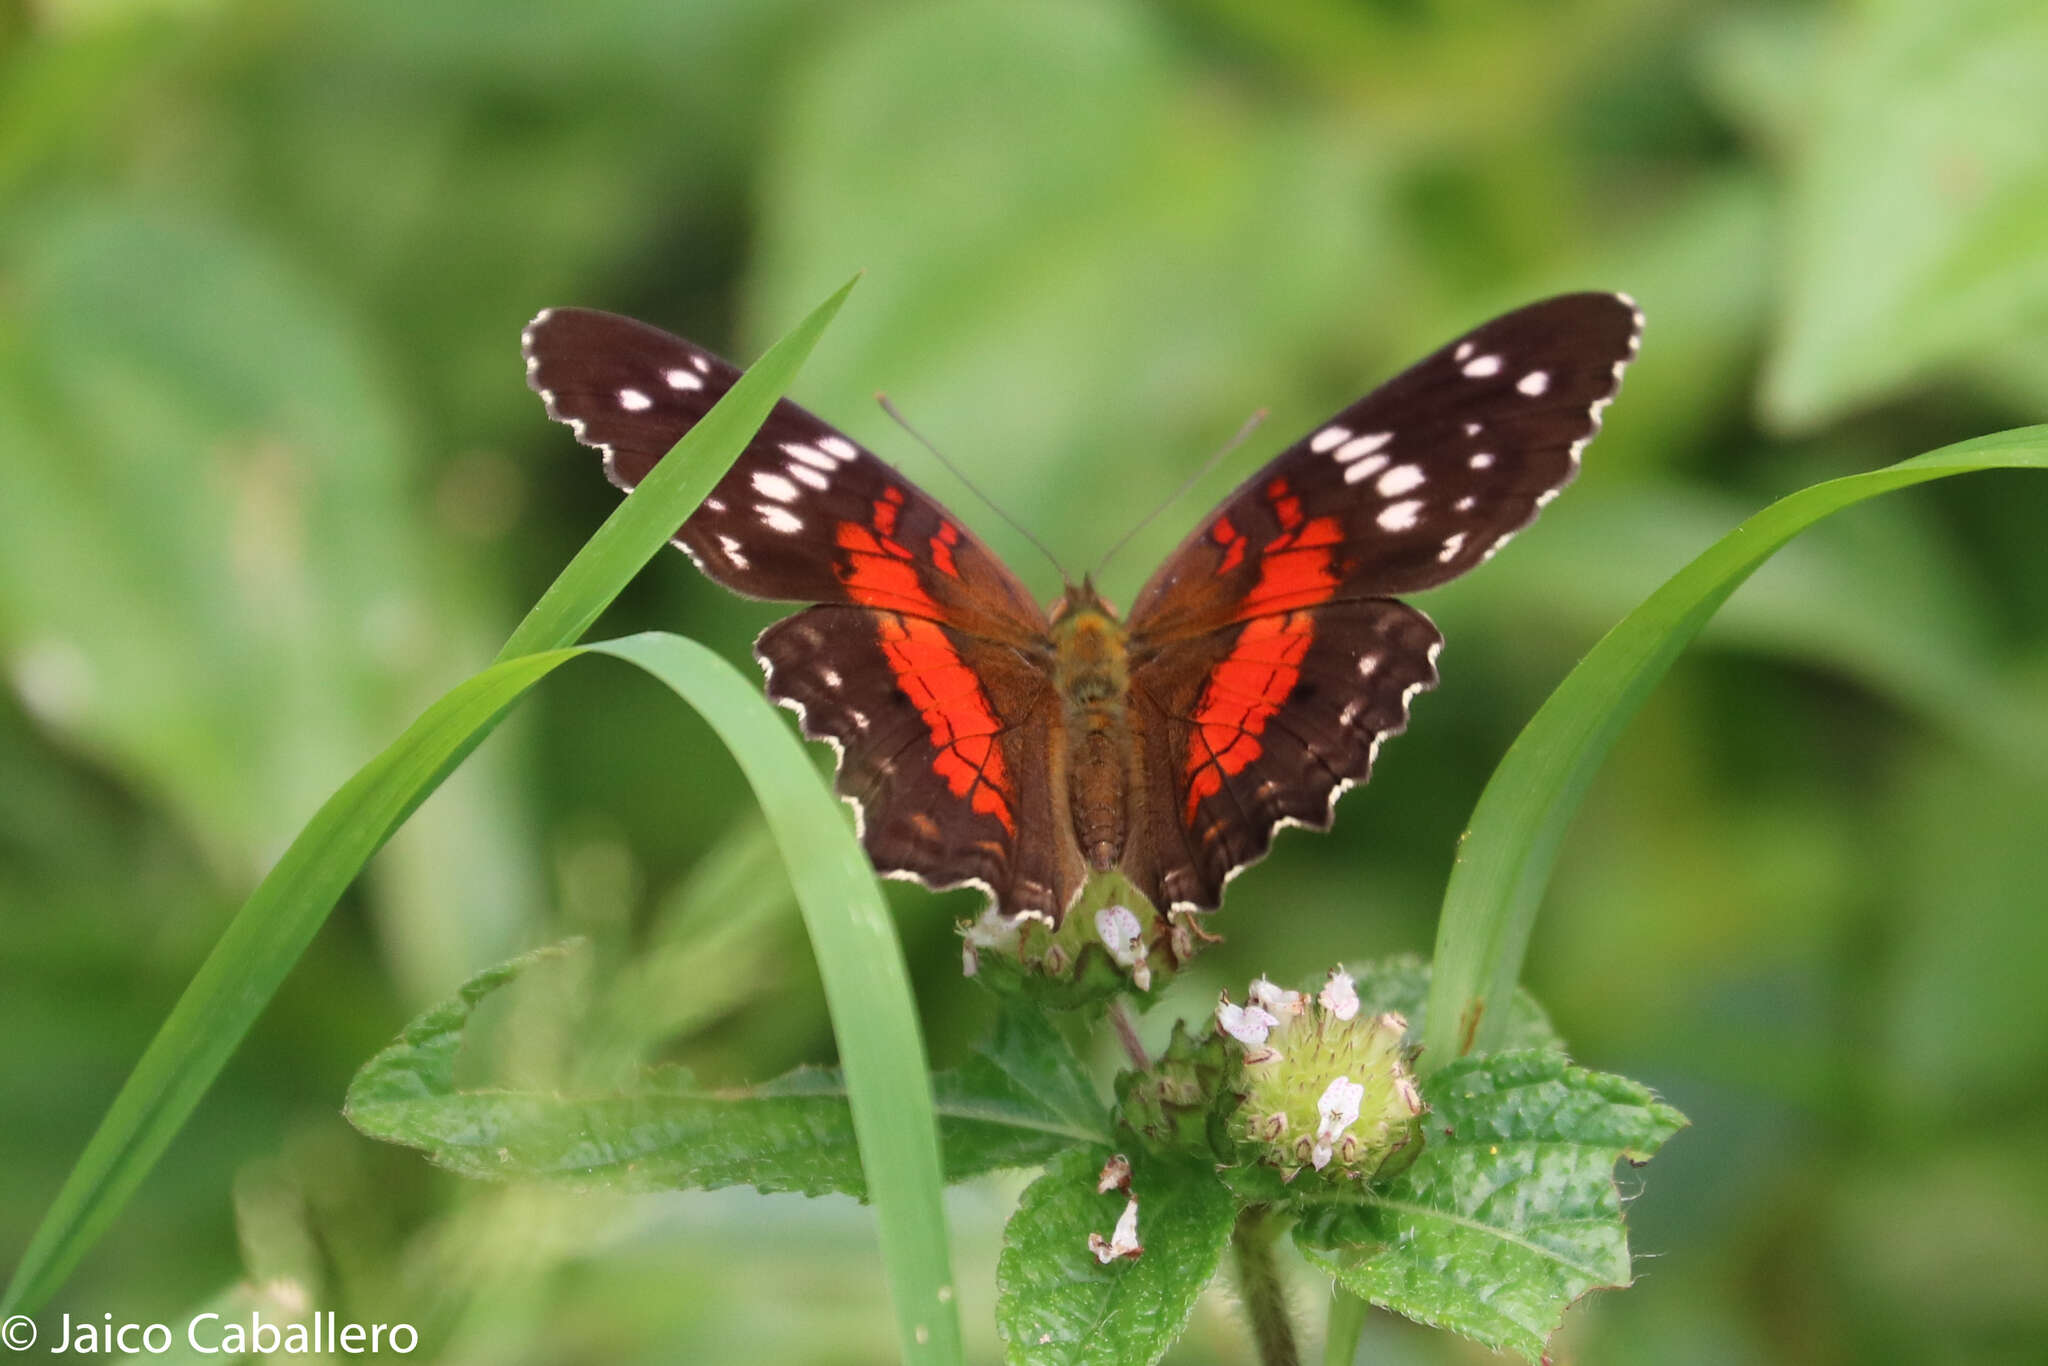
[922, 665]
[806, 514]
[1268, 658]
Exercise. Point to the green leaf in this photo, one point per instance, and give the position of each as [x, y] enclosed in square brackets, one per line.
[1016, 1104]
[286, 910]
[1511, 844]
[1510, 1213]
[1055, 1303]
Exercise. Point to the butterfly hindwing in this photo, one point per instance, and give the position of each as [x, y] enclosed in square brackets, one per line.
[1260, 725]
[804, 515]
[948, 789]
[1268, 657]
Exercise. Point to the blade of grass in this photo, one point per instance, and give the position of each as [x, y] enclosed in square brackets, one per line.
[867, 988]
[243, 971]
[288, 907]
[1506, 854]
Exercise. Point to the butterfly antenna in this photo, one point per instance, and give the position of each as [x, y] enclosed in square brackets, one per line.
[954, 470]
[1251, 425]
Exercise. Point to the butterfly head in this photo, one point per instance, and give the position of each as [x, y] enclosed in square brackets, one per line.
[1082, 600]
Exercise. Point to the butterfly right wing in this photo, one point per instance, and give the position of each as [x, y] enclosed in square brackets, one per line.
[1269, 655]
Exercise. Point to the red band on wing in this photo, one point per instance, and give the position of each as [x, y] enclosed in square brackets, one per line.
[942, 549]
[1297, 568]
[963, 725]
[1232, 540]
[1252, 683]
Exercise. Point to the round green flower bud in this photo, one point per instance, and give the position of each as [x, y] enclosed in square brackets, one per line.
[1111, 941]
[1325, 1086]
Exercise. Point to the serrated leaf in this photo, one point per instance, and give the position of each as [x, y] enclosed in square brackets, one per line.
[1056, 1305]
[1511, 1211]
[1021, 1100]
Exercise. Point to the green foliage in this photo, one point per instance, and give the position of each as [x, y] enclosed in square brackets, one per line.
[1511, 1211]
[1505, 860]
[1019, 1101]
[1056, 1303]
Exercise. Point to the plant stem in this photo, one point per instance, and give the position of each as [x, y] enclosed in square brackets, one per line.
[1347, 1324]
[1258, 1285]
[1127, 1034]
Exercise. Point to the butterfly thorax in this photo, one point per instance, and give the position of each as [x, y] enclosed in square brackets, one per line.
[1091, 669]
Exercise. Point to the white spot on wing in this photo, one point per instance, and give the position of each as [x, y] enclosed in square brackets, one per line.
[1399, 480]
[1533, 383]
[774, 486]
[682, 379]
[1364, 445]
[1399, 516]
[1365, 469]
[1328, 437]
[779, 518]
[633, 401]
[1479, 367]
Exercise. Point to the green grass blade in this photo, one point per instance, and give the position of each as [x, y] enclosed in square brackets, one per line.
[860, 960]
[243, 972]
[644, 521]
[1506, 855]
[288, 907]
[867, 987]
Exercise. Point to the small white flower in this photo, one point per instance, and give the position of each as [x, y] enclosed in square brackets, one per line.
[1248, 1024]
[1275, 999]
[1340, 995]
[1122, 1241]
[1118, 928]
[1338, 1108]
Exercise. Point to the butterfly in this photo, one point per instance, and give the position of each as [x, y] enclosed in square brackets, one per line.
[985, 740]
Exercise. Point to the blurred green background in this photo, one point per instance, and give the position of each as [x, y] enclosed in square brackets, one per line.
[270, 480]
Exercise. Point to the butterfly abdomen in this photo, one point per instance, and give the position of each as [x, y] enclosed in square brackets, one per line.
[1092, 672]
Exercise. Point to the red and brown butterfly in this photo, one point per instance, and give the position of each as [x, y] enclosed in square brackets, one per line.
[986, 741]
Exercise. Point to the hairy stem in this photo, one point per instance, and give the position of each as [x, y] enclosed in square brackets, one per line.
[1258, 1285]
[1127, 1034]
[1347, 1325]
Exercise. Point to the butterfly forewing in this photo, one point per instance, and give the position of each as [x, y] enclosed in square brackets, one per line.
[804, 515]
[1415, 483]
